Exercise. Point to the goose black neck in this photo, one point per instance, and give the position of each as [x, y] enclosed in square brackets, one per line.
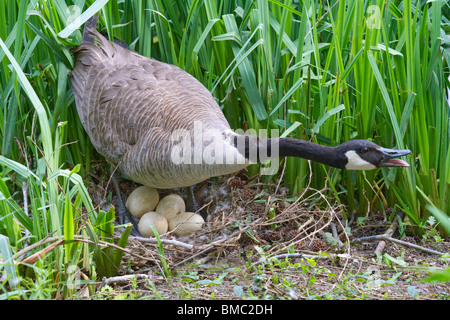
[289, 147]
[256, 150]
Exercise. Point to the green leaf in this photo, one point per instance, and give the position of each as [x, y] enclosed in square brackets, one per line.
[288, 94]
[123, 240]
[20, 169]
[201, 40]
[238, 290]
[440, 215]
[325, 116]
[78, 22]
[294, 126]
[413, 291]
[387, 100]
[438, 276]
[407, 114]
[247, 73]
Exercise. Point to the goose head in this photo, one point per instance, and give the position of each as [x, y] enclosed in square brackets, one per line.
[366, 155]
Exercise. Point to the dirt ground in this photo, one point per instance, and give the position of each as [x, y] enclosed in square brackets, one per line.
[261, 243]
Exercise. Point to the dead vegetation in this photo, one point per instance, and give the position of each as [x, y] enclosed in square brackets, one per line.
[259, 242]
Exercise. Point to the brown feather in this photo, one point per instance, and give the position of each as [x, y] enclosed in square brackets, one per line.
[130, 105]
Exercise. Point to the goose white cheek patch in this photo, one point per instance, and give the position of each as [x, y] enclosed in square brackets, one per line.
[355, 162]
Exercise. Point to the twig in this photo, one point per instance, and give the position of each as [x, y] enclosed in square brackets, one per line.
[388, 233]
[334, 215]
[76, 238]
[33, 246]
[404, 243]
[213, 244]
[281, 176]
[122, 279]
[335, 235]
[164, 241]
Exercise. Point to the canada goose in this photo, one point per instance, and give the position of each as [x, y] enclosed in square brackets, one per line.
[137, 111]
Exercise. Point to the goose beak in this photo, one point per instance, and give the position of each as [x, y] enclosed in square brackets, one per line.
[391, 155]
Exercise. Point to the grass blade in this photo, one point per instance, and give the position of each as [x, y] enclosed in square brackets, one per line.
[387, 100]
[8, 263]
[78, 22]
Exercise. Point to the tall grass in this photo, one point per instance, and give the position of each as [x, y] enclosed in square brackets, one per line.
[326, 71]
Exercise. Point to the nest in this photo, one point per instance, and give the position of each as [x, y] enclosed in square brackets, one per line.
[249, 223]
[243, 214]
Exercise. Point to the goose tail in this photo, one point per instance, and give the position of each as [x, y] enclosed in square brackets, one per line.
[89, 53]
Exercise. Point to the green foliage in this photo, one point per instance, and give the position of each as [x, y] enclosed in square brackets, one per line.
[107, 258]
[439, 275]
[162, 258]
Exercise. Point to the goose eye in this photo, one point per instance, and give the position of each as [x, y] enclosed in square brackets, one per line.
[364, 150]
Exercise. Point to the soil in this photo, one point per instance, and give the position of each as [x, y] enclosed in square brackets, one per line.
[241, 253]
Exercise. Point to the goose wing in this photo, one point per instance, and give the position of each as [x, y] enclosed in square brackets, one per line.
[124, 100]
